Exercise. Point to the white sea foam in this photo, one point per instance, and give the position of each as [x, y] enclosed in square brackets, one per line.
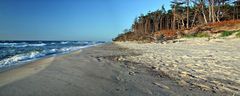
[36, 45]
[34, 55]
[67, 49]
[64, 42]
[21, 44]
[20, 57]
[8, 44]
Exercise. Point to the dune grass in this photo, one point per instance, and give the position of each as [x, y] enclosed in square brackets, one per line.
[198, 35]
[227, 33]
[238, 35]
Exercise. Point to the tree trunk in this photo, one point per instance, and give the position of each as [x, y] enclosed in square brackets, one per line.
[161, 23]
[234, 12]
[174, 17]
[213, 11]
[187, 13]
[194, 18]
[209, 11]
[183, 24]
[237, 9]
[203, 11]
[218, 10]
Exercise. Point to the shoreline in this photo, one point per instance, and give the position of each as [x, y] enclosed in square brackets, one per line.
[96, 71]
[22, 63]
[28, 68]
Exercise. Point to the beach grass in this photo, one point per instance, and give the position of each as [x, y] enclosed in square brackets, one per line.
[228, 33]
[202, 35]
[238, 35]
[198, 35]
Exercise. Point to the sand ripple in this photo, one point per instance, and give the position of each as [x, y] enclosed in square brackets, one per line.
[209, 65]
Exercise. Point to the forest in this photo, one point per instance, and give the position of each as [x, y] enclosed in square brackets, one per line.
[184, 17]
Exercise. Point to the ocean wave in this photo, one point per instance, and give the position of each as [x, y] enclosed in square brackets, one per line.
[37, 50]
[8, 44]
[21, 45]
[13, 44]
[67, 49]
[34, 55]
[20, 57]
[64, 42]
[37, 45]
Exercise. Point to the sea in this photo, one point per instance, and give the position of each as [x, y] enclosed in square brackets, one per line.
[16, 53]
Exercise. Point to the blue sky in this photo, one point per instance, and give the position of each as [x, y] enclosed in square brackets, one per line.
[70, 19]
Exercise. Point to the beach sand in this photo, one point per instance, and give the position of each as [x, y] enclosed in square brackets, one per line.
[196, 62]
[117, 69]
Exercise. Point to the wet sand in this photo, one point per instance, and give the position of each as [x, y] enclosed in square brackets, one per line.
[97, 71]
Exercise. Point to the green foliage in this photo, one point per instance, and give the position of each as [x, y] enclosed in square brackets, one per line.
[201, 35]
[238, 35]
[228, 33]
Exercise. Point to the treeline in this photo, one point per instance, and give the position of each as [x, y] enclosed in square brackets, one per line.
[184, 15]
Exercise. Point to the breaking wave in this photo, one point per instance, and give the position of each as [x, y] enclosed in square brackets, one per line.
[28, 51]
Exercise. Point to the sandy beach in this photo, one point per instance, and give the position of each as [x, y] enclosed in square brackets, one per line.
[209, 65]
[120, 48]
[196, 67]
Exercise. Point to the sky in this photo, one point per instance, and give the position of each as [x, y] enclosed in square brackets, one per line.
[70, 19]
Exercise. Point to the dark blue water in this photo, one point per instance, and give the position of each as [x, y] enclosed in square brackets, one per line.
[13, 53]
